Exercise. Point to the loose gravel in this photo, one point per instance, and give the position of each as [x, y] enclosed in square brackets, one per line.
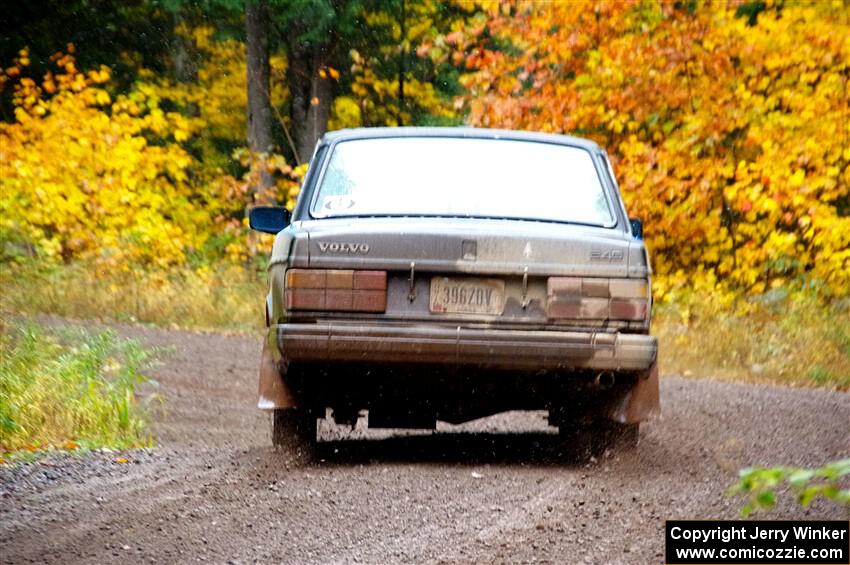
[492, 491]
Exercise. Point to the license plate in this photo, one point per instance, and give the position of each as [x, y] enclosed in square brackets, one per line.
[467, 295]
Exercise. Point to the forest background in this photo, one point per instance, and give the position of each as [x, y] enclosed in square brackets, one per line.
[134, 135]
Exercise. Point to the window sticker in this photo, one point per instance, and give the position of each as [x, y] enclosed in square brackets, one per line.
[338, 203]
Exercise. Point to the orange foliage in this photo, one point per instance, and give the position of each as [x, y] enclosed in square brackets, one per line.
[730, 137]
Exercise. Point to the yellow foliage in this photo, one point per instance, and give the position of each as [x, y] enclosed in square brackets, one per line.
[379, 99]
[215, 104]
[345, 113]
[86, 176]
[123, 180]
[217, 100]
[377, 90]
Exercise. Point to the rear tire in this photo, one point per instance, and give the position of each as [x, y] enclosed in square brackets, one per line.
[294, 430]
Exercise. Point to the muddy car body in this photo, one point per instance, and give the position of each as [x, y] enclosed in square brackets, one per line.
[421, 277]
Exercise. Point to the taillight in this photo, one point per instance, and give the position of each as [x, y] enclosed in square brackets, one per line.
[336, 290]
[597, 299]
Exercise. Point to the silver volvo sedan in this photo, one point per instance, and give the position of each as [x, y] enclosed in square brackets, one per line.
[450, 274]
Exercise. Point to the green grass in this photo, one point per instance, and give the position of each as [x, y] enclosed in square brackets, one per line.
[70, 389]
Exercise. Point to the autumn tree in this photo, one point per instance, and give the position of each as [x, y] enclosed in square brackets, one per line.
[728, 125]
[399, 75]
[368, 54]
[120, 193]
[311, 33]
[115, 33]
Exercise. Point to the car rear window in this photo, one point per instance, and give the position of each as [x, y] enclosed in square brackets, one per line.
[440, 176]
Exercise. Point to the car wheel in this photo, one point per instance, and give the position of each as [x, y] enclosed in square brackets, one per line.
[294, 429]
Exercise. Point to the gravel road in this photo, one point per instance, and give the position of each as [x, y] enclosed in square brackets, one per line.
[488, 492]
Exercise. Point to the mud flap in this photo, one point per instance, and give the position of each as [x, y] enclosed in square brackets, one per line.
[273, 393]
[642, 402]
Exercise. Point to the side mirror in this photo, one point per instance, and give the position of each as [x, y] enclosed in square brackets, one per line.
[268, 219]
[637, 227]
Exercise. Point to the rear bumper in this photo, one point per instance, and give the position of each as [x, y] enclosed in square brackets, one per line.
[494, 348]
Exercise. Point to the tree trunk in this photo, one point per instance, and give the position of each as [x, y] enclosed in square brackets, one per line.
[310, 94]
[185, 66]
[402, 53]
[259, 104]
[185, 61]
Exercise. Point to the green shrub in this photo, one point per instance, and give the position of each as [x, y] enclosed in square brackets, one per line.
[760, 485]
[70, 389]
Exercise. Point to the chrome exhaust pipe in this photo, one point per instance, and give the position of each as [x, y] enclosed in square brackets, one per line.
[604, 380]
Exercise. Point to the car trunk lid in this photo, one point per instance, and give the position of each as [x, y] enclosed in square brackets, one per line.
[469, 246]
